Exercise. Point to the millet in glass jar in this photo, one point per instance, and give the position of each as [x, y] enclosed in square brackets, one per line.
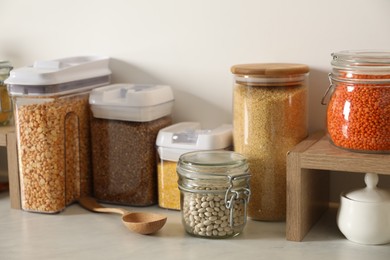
[269, 119]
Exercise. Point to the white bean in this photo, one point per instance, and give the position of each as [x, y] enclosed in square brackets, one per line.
[206, 215]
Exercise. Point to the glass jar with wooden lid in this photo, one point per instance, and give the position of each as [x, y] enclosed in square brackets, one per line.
[269, 118]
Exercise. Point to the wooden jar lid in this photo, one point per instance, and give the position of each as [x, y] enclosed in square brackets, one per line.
[269, 69]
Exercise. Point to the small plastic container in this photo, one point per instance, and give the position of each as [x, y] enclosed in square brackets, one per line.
[5, 99]
[126, 121]
[53, 133]
[215, 191]
[358, 112]
[269, 118]
[180, 138]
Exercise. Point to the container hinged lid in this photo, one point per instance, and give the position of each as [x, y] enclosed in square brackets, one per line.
[132, 102]
[66, 75]
[174, 140]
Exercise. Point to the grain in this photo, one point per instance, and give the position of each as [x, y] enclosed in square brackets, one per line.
[268, 122]
[5, 100]
[124, 160]
[54, 151]
[5, 106]
[168, 191]
[358, 116]
[206, 214]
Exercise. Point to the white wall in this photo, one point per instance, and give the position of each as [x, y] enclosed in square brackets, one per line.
[191, 45]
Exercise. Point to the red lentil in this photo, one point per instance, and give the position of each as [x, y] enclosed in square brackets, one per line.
[360, 119]
[358, 114]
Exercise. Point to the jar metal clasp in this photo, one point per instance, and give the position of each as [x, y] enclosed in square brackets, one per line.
[330, 88]
[232, 195]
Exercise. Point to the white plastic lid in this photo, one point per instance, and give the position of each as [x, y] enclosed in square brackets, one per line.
[131, 102]
[59, 76]
[371, 193]
[174, 140]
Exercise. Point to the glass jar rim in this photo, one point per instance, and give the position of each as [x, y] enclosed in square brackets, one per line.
[5, 67]
[214, 164]
[371, 60]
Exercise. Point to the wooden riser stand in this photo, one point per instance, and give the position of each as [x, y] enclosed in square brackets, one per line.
[8, 140]
[308, 167]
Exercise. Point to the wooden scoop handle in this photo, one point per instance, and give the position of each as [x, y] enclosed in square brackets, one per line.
[92, 205]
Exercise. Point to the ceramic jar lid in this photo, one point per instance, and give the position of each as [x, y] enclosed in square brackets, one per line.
[371, 193]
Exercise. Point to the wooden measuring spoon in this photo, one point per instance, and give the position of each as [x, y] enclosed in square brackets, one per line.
[141, 222]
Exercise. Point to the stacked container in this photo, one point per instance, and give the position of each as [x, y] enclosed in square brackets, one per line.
[175, 140]
[126, 121]
[52, 123]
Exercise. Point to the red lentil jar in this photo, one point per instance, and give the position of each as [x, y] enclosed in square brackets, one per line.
[358, 113]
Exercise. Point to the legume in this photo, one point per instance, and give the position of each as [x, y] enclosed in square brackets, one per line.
[358, 115]
[206, 215]
[54, 152]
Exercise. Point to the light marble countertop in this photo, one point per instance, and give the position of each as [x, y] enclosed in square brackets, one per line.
[77, 233]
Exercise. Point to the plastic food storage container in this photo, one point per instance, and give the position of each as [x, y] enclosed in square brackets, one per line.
[358, 113]
[269, 118]
[5, 99]
[52, 124]
[215, 190]
[180, 138]
[126, 121]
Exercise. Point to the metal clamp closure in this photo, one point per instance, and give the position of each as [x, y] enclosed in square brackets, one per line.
[328, 90]
[233, 195]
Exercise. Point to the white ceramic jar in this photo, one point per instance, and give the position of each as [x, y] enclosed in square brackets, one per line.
[364, 214]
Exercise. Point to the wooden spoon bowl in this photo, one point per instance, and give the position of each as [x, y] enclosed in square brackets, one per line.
[144, 223]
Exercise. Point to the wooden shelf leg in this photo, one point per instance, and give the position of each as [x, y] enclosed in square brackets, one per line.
[308, 193]
[13, 171]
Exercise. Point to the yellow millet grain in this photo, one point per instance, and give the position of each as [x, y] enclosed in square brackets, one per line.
[268, 122]
[168, 191]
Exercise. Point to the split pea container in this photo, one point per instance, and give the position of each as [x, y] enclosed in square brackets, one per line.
[215, 191]
[180, 138]
[126, 121]
[53, 133]
[358, 113]
[269, 118]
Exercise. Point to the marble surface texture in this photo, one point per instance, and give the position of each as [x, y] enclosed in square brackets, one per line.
[77, 233]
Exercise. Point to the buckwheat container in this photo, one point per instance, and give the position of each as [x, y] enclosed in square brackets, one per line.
[358, 112]
[126, 121]
[52, 123]
[214, 188]
[269, 118]
[180, 138]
